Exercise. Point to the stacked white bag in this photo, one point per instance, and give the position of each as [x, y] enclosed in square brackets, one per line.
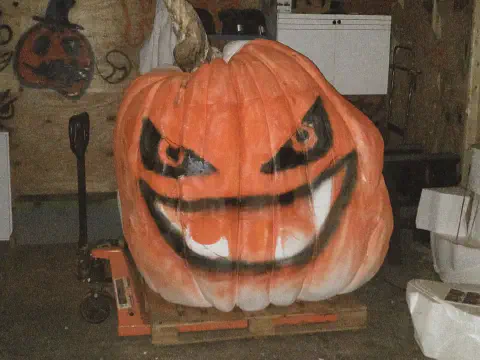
[453, 218]
[446, 316]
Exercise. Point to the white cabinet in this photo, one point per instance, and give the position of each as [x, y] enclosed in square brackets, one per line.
[5, 192]
[352, 51]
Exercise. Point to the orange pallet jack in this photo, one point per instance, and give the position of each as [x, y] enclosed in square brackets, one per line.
[114, 282]
[133, 319]
[108, 258]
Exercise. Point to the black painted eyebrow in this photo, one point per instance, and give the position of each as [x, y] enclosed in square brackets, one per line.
[192, 165]
[149, 141]
[287, 158]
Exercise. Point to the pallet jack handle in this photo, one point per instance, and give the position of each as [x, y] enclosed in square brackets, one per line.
[79, 133]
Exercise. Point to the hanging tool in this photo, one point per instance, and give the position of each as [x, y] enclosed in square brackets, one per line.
[79, 133]
[97, 304]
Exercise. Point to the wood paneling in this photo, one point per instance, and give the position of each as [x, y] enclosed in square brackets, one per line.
[41, 159]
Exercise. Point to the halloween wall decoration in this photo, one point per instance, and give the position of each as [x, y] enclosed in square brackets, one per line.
[120, 67]
[6, 35]
[44, 167]
[250, 181]
[53, 54]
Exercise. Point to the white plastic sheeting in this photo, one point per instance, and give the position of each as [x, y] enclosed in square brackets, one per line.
[157, 51]
[439, 211]
[445, 330]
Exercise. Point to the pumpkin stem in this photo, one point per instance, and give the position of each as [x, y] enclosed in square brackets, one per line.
[193, 48]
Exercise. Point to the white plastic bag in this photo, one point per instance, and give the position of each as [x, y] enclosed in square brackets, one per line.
[446, 322]
[451, 212]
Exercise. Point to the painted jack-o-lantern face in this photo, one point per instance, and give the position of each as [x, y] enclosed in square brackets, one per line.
[55, 57]
[250, 182]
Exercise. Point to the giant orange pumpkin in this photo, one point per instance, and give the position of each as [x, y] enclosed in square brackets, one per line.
[250, 182]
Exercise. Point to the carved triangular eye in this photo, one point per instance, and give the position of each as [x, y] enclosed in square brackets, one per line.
[311, 141]
[167, 159]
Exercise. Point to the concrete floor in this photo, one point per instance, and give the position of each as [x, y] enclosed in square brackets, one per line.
[39, 319]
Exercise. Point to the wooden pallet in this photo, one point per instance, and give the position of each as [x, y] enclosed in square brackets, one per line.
[175, 324]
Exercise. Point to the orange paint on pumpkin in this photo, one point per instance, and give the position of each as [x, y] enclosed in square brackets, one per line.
[279, 196]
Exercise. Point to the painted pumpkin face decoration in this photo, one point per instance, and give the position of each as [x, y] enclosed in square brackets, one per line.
[250, 182]
[53, 54]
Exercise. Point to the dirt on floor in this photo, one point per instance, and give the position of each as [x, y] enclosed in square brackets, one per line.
[39, 319]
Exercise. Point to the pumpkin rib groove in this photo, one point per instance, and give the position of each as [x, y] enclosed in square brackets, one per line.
[325, 87]
[275, 207]
[242, 133]
[207, 122]
[365, 182]
[290, 108]
[159, 91]
[236, 274]
[178, 184]
[306, 169]
[366, 249]
[382, 225]
[180, 193]
[302, 62]
[285, 92]
[240, 249]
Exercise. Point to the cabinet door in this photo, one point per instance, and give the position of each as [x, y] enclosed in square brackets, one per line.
[362, 61]
[317, 45]
[5, 196]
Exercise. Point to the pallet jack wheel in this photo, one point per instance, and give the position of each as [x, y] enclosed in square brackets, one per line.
[96, 307]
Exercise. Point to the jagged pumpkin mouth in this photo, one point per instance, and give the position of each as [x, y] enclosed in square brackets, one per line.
[345, 167]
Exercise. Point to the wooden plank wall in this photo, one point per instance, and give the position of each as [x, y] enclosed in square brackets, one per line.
[439, 32]
[41, 159]
[471, 133]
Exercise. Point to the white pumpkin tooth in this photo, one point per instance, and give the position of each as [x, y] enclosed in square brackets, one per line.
[322, 201]
[216, 250]
[279, 249]
[290, 246]
[159, 208]
[294, 243]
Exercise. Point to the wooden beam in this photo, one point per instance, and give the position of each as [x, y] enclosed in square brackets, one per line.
[472, 123]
